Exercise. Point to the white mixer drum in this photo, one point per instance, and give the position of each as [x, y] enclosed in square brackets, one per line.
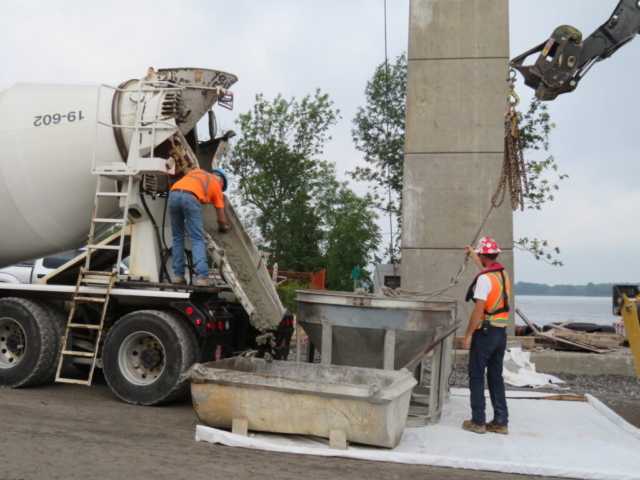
[47, 136]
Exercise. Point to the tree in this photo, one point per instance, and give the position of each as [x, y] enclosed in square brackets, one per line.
[535, 127]
[379, 130]
[300, 239]
[353, 236]
[379, 134]
[305, 216]
[278, 173]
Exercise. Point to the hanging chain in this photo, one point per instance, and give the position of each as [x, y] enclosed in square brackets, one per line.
[514, 169]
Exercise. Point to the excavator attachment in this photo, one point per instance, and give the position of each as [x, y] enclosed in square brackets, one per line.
[554, 72]
[565, 58]
[626, 303]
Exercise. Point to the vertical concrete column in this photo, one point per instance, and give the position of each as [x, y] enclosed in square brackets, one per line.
[456, 101]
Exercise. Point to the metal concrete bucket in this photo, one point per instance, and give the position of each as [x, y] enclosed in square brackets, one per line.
[358, 324]
[343, 404]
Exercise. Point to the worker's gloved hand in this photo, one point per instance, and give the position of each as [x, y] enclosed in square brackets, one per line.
[223, 227]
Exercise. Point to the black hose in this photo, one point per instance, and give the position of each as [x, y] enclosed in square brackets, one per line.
[163, 272]
[164, 219]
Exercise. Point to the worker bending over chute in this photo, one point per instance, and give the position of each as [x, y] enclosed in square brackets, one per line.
[186, 198]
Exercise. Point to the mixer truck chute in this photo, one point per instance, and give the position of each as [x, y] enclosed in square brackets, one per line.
[78, 160]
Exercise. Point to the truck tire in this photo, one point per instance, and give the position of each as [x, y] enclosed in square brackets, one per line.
[90, 314]
[59, 321]
[29, 343]
[145, 355]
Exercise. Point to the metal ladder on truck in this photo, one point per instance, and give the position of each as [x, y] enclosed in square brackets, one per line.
[91, 333]
[140, 160]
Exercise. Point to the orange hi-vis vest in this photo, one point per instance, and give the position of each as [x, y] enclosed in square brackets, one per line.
[496, 309]
[203, 185]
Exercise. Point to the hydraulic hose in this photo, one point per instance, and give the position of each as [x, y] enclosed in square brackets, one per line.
[162, 273]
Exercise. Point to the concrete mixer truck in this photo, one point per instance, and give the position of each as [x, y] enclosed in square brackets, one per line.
[80, 161]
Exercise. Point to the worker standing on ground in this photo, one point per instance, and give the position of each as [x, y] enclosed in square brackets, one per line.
[186, 198]
[487, 338]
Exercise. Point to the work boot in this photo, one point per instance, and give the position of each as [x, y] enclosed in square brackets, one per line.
[203, 282]
[469, 426]
[179, 280]
[492, 427]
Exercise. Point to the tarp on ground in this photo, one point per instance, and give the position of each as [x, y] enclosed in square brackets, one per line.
[520, 372]
[551, 438]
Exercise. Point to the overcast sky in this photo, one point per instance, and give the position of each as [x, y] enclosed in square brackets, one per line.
[294, 46]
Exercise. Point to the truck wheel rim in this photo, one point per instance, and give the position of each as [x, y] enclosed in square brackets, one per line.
[141, 358]
[13, 343]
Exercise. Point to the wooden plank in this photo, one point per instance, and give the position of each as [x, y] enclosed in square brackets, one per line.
[527, 342]
[576, 343]
[526, 320]
[559, 398]
[597, 340]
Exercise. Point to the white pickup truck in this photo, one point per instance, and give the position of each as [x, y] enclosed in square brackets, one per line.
[33, 270]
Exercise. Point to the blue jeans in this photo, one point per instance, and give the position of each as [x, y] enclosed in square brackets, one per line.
[487, 352]
[186, 210]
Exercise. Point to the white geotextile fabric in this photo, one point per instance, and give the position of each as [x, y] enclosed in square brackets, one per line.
[518, 371]
[546, 437]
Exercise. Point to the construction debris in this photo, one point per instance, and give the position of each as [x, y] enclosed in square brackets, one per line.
[561, 337]
[526, 343]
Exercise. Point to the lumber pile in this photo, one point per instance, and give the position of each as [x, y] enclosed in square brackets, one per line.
[560, 337]
[527, 343]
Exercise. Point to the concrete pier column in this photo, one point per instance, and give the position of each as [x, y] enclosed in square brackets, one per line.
[456, 101]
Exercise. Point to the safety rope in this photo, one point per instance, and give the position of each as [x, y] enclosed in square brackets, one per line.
[512, 178]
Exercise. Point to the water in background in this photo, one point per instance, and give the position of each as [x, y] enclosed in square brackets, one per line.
[542, 310]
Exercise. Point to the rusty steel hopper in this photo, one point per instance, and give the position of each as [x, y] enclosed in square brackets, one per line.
[344, 404]
[372, 331]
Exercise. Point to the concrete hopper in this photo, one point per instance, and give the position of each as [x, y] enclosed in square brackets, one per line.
[359, 325]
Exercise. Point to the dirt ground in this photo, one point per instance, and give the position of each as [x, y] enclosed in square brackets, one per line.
[76, 432]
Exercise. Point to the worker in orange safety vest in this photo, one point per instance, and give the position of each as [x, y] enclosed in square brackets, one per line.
[486, 337]
[186, 198]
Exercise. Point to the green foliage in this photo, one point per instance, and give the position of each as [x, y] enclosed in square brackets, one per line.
[354, 234]
[379, 130]
[287, 294]
[540, 250]
[279, 176]
[305, 217]
[379, 134]
[108, 233]
[298, 240]
[535, 127]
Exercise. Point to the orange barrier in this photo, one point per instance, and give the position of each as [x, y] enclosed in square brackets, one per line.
[315, 280]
